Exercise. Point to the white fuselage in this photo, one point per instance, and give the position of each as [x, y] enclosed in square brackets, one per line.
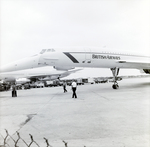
[91, 58]
[66, 59]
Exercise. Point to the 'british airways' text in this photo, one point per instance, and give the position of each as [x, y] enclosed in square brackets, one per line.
[94, 56]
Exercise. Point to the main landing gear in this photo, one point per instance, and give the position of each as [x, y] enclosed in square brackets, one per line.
[115, 72]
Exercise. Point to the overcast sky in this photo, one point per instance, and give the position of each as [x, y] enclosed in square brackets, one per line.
[27, 26]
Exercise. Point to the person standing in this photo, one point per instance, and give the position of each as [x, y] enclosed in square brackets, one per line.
[14, 92]
[74, 88]
[64, 86]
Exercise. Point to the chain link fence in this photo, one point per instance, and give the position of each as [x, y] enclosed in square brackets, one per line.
[32, 142]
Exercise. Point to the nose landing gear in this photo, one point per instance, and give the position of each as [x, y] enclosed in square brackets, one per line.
[115, 86]
[115, 72]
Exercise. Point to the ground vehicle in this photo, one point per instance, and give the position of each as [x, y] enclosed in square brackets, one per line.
[80, 81]
[40, 85]
[2, 88]
[33, 85]
[91, 80]
[27, 86]
[19, 86]
[101, 80]
[51, 83]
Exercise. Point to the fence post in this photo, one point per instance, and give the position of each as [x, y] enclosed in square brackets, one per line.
[65, 143]
[47, 143]
[17, 139]
[5, 137]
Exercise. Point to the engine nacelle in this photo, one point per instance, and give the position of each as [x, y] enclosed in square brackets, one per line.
[63, 68]
[147, 71]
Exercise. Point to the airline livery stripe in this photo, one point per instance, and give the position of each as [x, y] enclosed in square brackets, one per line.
[71, 57]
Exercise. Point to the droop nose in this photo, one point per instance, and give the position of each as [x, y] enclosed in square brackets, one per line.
[26, 63]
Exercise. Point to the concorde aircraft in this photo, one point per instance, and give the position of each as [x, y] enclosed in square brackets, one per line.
[46, 73]
[84, 57]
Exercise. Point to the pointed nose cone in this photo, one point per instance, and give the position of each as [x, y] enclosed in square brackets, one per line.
[26, 63]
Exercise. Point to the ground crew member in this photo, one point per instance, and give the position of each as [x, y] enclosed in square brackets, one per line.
[14, 92]
[74, 87]
[64, 86]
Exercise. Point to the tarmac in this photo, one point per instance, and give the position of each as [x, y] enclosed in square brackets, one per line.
[99, 117]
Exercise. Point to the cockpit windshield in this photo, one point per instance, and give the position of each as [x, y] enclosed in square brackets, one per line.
[47, 50]
[43, 50]
[50, 50]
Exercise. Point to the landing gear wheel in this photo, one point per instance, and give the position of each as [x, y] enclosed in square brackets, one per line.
[115, 86]
[115, 72]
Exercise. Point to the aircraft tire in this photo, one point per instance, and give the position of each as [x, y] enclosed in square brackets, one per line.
[115, 86]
